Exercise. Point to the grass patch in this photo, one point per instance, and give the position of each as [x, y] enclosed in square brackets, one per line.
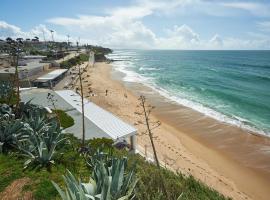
[11, 168]
[65, 119]
[148, 187]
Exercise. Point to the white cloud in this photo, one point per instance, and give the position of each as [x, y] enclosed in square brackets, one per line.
[179, 37]
[123, 27]
[216, 41]
[8, 30]
[255, 44]
[41, 31]
[264, 26]
[134, 34]
[257, 9]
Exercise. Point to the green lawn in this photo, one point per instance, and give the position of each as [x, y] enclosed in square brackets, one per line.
[65, 119]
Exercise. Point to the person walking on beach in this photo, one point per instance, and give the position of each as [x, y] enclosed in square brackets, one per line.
[106, 92]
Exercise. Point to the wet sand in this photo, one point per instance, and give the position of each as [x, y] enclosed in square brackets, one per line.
[226, 158]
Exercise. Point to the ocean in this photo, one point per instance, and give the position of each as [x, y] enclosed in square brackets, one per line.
[230, 86]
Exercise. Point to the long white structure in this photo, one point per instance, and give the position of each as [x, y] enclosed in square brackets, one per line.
[53, 74]
[50, 79]
[114, 127]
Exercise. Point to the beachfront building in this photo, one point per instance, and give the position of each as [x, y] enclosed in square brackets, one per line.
[29, 68]
[50, 79]
[91, 60]
[25, 70]
[99, 123]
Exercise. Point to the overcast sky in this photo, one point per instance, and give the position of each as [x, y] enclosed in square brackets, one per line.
[142, 24]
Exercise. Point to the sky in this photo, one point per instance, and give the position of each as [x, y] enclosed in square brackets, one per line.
[142, 24]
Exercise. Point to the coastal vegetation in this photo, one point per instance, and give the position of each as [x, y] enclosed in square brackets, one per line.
[43, 162]
[34, 149]
[148, 185]
[99, 49]
[7, 93]
[100, 52]
[65, 119]
[74, 61]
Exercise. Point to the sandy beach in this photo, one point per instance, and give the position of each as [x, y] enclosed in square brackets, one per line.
[232, 161]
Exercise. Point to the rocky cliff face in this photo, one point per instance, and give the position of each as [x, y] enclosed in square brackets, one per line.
[100, 57]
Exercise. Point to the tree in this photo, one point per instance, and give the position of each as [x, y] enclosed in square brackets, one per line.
[15, 48]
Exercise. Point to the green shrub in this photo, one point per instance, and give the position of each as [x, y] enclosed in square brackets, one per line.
[7, 93]
[65, 119]
[149, 186]
[74, 61]
[103, 144]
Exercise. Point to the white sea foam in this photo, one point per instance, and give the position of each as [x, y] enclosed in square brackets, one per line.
[148, 69]
[131, 76]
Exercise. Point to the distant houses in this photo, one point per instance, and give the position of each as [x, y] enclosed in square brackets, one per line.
[32, 71]
[28, 70]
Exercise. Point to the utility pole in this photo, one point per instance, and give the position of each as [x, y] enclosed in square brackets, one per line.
[44, 39]
[52, 35]
[68, 41]
[53, 42]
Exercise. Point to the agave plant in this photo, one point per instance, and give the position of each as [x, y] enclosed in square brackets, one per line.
[11, 131]
[99, 156]
[5, 109]
[75, 189]
[40, 149]
[106, 183]
[6, 90]
[38, 123]
[112, 182]
[41, 143]
[27, 109]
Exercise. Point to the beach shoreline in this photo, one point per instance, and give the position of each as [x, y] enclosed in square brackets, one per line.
[192, 152]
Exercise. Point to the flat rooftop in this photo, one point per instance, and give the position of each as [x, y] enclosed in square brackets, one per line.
[52, 75]
[103, 119]
[30, 66]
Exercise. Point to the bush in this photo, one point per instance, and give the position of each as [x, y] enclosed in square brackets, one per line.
[74, 61]
[7, 93]
[65, 119]
[104, 144]
[149, 186]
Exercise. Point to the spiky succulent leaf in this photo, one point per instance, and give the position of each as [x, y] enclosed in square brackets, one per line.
[107, 183]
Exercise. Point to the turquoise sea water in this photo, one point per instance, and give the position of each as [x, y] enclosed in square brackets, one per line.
[231, 86]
